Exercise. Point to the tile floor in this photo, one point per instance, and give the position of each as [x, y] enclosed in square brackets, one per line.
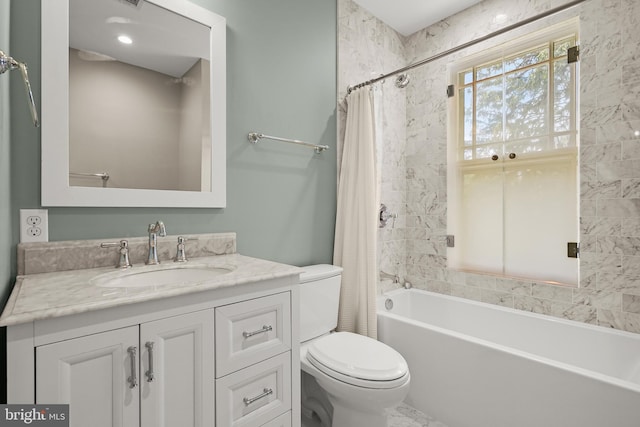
[402, 415]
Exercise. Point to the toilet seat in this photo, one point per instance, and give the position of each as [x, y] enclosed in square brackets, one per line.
[358, 360]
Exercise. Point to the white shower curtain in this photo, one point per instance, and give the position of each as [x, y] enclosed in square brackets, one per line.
[355, 245]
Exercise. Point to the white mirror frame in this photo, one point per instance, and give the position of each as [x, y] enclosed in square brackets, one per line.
[55, 119]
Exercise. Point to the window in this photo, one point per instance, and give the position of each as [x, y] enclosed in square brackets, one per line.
[514, 149]
[523, 103]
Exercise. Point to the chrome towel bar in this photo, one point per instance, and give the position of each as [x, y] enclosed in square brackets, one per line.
[254, 137]
[104, 176]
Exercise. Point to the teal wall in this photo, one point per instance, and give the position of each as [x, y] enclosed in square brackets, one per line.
[281, 65]
[6, 241]
[281, 80]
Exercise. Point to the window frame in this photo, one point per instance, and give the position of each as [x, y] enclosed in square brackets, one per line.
[455, 128]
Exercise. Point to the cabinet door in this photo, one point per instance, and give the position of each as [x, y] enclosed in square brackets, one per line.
[93, 375]
[177, 371]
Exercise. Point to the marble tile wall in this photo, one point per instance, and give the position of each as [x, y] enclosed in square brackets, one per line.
[369, 48]
[609, 291]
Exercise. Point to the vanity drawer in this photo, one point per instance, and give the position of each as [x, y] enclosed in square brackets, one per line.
[260, 392]
[250, 331]
[283, 420]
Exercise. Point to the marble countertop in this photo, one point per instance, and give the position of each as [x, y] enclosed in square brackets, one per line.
[48, 295]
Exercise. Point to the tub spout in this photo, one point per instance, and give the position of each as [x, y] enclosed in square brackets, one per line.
[393, 277]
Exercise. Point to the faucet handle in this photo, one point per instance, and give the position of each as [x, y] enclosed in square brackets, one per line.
[123, 261]
[181, 255]
[158, 228]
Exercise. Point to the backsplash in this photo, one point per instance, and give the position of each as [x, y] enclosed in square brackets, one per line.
[609, 291]
[34, 258]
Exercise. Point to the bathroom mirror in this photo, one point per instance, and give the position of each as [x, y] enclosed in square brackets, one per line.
[133, 104]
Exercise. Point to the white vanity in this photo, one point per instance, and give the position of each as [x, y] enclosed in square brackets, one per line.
[221, 351]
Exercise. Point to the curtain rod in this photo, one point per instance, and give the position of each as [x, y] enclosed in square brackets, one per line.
[466, 45]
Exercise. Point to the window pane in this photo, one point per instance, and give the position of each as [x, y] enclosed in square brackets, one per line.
[480, 232]
[526, 102]
[489, 70]
[467, 114]
[525, 59]
[465, 77]
[540, 217]
[562, 89]
[486, 151]
[561, 46]
[489, 111]
[564, 141]
[527, 146]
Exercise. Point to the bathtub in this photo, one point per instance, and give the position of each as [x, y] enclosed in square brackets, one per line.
[480, 365]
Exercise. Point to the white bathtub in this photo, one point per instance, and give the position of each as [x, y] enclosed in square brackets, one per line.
[481, 365]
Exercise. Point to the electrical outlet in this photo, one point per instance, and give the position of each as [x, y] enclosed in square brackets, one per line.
[34, 225]
[34, 220]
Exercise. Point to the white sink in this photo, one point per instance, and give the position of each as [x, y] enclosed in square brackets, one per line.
[178, 275]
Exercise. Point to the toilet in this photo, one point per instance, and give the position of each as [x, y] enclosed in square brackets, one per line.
[348, 380]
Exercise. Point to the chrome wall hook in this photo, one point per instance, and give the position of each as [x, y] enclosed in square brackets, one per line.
[7, 63]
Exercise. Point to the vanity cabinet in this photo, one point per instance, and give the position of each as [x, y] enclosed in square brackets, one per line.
[224, 358]
[158, 372]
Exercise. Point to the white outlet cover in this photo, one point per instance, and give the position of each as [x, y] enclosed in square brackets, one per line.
[34, 225]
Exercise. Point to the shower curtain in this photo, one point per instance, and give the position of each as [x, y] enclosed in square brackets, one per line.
[355, 245]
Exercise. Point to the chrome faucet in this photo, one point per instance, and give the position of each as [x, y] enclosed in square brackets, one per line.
[394, 277]
[123, 260]
[181, 254]
[155, 230]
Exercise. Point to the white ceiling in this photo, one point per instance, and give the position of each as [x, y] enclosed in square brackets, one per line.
[409, 16]
[163, 41]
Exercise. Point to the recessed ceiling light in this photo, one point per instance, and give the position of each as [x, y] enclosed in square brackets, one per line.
[637, 133]
[125, 39]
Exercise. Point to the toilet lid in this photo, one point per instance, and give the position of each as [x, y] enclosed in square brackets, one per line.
[344, 355]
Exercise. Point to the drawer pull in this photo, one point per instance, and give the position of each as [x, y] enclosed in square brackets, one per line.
[265, 328]
[249, 400]
[133, 380]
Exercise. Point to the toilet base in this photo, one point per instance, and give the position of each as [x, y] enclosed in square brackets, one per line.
[315, 405]
[336, 404]
[349, 417]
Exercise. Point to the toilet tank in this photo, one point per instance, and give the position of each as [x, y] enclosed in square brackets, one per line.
[319, 299]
